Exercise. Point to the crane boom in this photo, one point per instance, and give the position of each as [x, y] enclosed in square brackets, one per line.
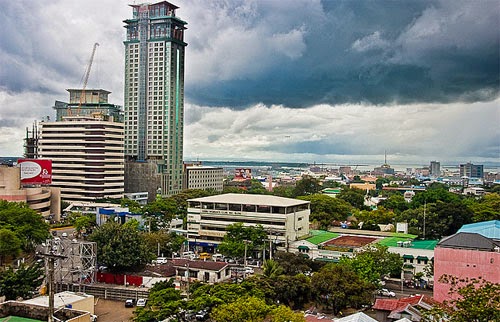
[86, 77]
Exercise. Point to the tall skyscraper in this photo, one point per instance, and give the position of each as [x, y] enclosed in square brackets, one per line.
[154, 99]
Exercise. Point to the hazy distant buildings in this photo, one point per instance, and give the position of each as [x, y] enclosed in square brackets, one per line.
[435, 169]
[87, 156]
[154, 99]
[471, 170]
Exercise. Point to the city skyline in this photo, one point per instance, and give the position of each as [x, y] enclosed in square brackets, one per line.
[301, 80]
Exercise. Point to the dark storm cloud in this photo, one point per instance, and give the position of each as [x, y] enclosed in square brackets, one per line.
[374, 52]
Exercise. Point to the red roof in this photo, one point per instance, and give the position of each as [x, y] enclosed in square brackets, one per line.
[400, 305]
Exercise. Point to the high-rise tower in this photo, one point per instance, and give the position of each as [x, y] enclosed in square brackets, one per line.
[154, 99]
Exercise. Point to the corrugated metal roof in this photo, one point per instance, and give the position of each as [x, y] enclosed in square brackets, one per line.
[356, 317]
[489, 229]
[468, 241]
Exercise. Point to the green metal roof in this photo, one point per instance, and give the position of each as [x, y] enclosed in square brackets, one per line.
[321, 236]
[18, 319]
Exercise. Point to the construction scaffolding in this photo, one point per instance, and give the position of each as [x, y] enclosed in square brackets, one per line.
[76, 263]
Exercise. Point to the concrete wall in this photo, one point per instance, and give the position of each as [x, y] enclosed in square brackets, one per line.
[143, 177]
[463, 263]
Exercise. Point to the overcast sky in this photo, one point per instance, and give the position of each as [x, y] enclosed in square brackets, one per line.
[294, 80]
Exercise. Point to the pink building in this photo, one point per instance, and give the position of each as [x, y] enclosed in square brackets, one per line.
[474, 251]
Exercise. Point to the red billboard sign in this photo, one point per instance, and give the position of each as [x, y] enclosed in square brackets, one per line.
[35, 171]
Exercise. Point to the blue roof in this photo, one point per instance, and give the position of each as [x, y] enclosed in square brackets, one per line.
[489, 229]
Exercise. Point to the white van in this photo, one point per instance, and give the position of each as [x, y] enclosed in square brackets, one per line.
[188, 255]
[218, 257]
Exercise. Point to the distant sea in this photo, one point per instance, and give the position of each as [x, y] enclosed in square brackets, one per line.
[367, 166]
[362, 166]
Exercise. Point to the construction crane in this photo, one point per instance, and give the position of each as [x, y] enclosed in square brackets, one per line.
[86, 78]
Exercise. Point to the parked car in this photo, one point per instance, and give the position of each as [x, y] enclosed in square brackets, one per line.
[64, 235]
[129, 303]
[386, 292]
[248, 270]
[160, 260]
[218, 257]
[201, 315]
[141, 302]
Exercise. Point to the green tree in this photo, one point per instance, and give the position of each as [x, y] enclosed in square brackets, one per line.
[378, 216]
[283, 191]
[164, 301]
[395, 202]
[284, 314]
[132, 205]
[486, 208]
[233, 243]
[355, 197]
[10, 245]
[440, 219]
[22, 282]
[84, 223]
[433, 195]
[306, 186]
[374, 262]
[167, 242]
[473, 300]
[294, 264]
[293, 291]
[325, 209]
[271, 269]
[28, 225]
[244, 309]
[338, 286]
[121, 247]
[257, 188]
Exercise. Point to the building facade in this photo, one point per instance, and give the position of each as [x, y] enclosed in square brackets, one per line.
[471, 170]
[203, 177]
[87, 102]
[154, 99]
[87, 156]
[473, 252]
[45, 200]
[284, 219]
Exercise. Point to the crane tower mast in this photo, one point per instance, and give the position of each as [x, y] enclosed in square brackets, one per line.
[86, 77]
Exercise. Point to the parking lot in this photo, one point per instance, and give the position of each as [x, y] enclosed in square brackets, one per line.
[113, 311]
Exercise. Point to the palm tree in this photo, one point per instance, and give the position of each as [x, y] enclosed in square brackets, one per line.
[272, 269]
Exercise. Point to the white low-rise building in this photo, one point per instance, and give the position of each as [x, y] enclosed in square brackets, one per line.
[284, 219]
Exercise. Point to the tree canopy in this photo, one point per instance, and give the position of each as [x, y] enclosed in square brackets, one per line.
[375, 262]
[338, 286]
[22, 282]
[233, 243]
[121, 247]
[472, 300]
[28, 226]
[325, 209]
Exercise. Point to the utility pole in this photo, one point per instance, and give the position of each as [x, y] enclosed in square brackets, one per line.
[51, 257]
[425, 204]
